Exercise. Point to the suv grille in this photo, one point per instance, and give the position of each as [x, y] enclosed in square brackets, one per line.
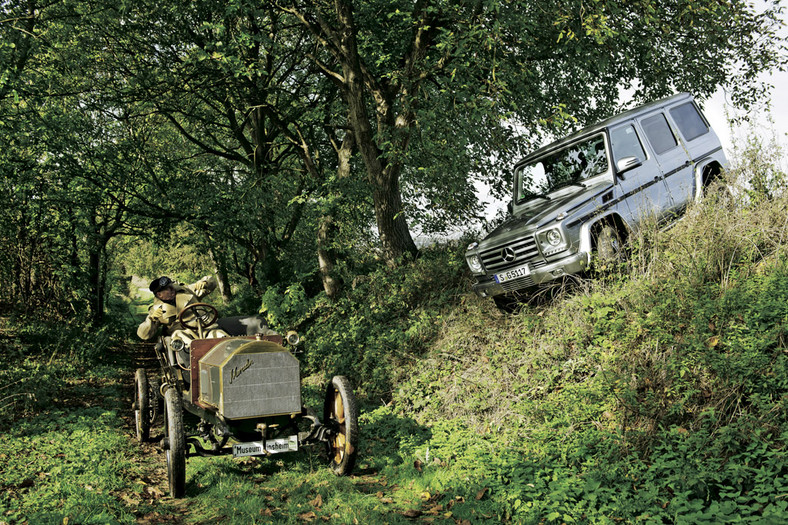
[524, 250]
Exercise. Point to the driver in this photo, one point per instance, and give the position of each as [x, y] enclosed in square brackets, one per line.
[170, 300]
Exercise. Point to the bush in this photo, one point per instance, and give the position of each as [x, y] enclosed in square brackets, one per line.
[655, 394]
[386, 319]
[39, 355]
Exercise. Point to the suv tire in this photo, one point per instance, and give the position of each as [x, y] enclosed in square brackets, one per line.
[609, 248]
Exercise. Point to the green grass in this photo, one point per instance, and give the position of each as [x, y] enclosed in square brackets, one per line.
[67, 464]
[656, 394]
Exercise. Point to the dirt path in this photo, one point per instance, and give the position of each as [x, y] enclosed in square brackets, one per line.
[150, 456]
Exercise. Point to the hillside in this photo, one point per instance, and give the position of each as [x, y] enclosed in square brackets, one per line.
[654, 393]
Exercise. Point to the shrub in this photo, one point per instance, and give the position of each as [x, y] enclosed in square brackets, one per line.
[385, 319]
[39, 355]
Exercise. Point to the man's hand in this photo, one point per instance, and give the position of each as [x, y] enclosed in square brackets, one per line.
[156, 314]
[199, 286]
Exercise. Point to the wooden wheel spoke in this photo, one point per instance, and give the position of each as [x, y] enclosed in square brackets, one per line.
[339, 407]
[339, 447]
[340, 411]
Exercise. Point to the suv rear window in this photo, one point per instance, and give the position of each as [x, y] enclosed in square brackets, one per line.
[658, 133]
[689, 121]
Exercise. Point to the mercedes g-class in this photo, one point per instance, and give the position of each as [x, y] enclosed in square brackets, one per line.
[585, 194]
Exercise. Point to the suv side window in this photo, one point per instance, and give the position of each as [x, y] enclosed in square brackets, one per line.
[689, 121]
[658, 132]
[626, 143]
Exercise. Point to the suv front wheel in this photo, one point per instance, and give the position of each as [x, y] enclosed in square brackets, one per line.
[609, 248]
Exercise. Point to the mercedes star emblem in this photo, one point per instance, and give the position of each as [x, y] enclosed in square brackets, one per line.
[508, 254]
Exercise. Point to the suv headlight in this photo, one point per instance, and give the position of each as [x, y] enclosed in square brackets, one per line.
[551, 241]
[473, 260]
[474, 263]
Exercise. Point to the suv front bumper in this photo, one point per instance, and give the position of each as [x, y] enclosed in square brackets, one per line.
[575, 263]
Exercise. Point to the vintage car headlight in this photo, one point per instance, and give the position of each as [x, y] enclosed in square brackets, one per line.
[551, 241]
[177, 345]
[292, 338]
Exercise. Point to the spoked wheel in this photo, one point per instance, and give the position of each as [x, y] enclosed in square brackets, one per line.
[175, 442]
[340, 413]
[143, 409]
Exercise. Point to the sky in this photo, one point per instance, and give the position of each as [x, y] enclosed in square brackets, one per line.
[715, 111]
[714, 108]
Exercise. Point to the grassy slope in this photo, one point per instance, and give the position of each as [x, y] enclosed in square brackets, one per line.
[653, 395]
[656, 395]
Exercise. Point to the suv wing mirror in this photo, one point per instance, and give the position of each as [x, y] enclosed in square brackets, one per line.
[628, 163]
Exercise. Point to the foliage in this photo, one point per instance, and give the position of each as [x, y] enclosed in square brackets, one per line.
[74, 457]
[385, 320]
[244, 131]
[759, 164]
[240, 137]
[656, 395]
[37, 357]
[179, 259]
[680, 363]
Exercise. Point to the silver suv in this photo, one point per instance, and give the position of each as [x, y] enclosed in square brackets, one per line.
[586, 193]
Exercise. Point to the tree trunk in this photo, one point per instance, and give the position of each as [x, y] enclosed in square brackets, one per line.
[325, 257]
[96, 294]
[394, 234]
[393, 229]
[220, 269]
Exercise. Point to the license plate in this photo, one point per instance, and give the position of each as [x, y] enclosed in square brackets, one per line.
[271, 446]
[514, 273]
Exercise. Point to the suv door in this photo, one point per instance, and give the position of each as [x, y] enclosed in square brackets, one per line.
[698, 140]
[673, 160]
[642, 187]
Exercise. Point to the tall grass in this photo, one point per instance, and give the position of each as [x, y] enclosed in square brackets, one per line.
[678, 361]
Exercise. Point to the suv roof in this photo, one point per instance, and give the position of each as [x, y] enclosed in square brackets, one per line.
[595, 128]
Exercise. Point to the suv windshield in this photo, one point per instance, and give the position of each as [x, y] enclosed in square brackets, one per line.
[567, 166]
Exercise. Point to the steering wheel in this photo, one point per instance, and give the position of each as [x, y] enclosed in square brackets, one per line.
[198, 316]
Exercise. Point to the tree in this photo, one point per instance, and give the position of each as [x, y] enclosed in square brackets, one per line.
[229, 77]
[404, 67]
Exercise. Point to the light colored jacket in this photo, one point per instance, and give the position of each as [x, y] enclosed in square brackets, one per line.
[184, 296]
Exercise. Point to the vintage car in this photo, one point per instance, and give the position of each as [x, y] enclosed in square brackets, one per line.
[578, 199]
[244, 392]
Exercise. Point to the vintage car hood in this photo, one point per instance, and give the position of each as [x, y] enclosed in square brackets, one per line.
[542, 212]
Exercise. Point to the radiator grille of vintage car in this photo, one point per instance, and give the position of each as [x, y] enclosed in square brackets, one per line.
[246, 379]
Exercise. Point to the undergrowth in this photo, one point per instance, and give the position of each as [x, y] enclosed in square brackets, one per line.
[657, 394]
[384, 322]
[37, 357]
[653, 394]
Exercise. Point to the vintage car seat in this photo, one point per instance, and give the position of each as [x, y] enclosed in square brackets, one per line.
[245, 325]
